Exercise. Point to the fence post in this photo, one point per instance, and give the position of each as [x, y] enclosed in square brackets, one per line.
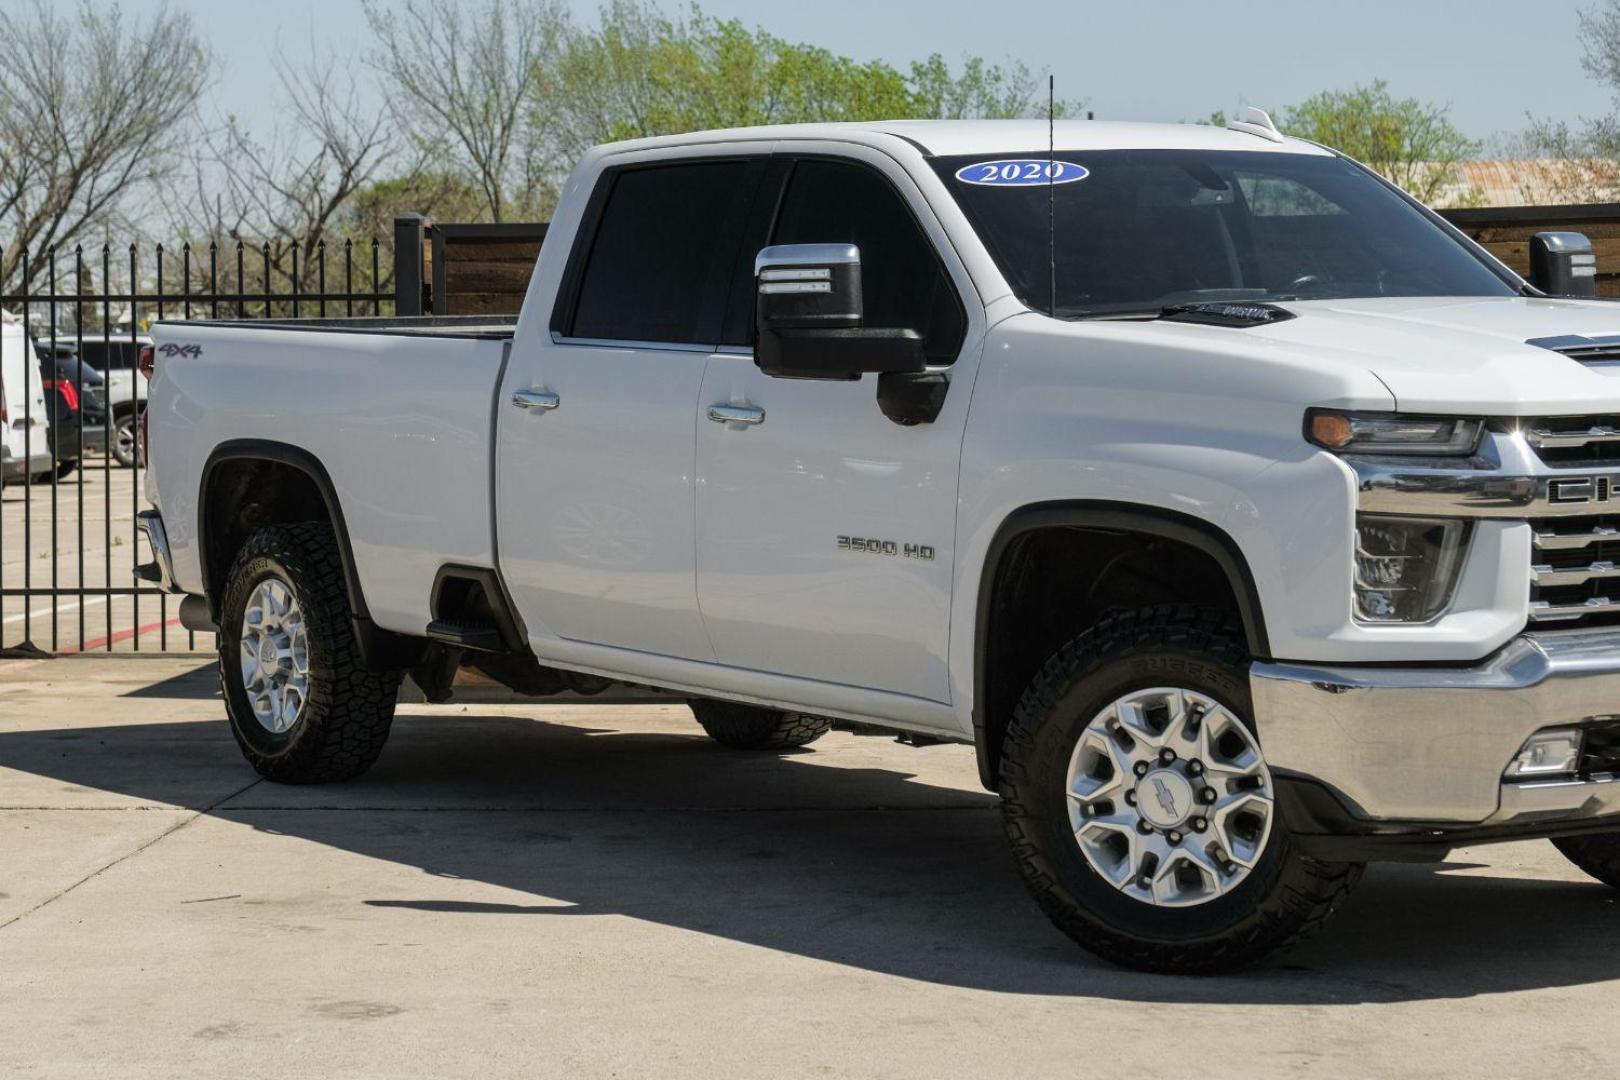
[408, 236]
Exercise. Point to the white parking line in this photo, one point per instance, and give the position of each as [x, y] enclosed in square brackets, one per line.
[62, 607]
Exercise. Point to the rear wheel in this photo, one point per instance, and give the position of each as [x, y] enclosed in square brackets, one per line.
[749, 727]
[302, 704]
[1598, 855]
[1140, 808]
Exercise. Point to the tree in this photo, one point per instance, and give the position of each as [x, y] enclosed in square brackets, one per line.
[1410, 142]
[1582, 163]
[980, 91]
[93, 108]
[286, 190]
[459, 77]
[639, 72]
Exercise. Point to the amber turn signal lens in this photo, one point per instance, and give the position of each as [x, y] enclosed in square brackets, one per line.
[1332, 430]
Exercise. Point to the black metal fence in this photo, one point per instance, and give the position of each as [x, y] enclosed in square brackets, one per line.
[69, 544]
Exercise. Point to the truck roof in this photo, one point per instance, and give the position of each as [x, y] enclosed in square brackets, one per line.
[950, 137]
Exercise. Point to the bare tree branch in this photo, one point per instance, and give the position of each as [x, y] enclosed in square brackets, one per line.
[99, 109]
[459, 76]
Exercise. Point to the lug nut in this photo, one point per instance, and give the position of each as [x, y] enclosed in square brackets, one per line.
[1144, 828]
[1200, 824]
[1175, 837]
[1141, 768]
[1209, 795]
[1196, 768]
[1130, 798]
[1166, 756]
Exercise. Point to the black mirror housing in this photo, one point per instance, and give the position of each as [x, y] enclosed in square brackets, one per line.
[808, 318]
[1562, 264]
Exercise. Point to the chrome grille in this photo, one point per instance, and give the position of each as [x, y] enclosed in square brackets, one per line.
[1575, 570]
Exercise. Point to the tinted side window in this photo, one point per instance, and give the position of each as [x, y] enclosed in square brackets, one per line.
[111, 355]
[657, 266]
[904, 285]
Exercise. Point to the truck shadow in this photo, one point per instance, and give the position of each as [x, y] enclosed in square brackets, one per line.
[818, 855]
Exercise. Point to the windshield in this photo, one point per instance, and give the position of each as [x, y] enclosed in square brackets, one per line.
[1140, 230]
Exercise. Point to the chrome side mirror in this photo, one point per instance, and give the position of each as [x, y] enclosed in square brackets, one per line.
[808, 286]
[808, 317]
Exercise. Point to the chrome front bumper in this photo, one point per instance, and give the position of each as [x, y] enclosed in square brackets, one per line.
[1431, 745]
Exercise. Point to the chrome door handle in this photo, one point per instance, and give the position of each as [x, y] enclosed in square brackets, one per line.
[736, 414]
[536, 399]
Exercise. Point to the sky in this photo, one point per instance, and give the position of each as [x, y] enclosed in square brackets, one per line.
[1495, 62]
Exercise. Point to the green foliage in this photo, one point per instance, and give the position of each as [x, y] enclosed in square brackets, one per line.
[1411, 142]
[640, 72]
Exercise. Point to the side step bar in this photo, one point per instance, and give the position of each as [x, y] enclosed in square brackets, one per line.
[481, 637]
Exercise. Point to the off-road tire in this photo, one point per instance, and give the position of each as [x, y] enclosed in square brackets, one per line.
[749, 727]
[346, 717]
[1598, 855]
[1287, 895]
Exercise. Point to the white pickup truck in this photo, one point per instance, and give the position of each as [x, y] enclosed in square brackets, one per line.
[1249, 520]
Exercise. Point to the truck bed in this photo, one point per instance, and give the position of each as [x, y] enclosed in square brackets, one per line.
[484, 327]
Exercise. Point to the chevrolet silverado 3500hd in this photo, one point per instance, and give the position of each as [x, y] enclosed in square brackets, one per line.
[1252, 522]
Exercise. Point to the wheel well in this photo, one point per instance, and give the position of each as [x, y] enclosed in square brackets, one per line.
[249, 483]
[1053, 573]
[243, 494]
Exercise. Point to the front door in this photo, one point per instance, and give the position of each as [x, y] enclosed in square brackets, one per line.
[826, 531]
[594, 466]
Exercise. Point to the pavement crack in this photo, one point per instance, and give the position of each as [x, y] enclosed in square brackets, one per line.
[170, 831]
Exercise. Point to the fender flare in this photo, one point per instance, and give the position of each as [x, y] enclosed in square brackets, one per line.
[1111, 517]
[381, 648]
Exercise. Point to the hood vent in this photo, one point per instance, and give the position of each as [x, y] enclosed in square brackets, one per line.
[1592, 351]
[1239, 314]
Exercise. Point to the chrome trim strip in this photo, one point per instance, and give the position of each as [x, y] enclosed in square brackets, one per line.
[1574, 575]
[1548, 541]
[1560, 440]
[799, 254]
[1468, 493]
[1558, 799]
[1545, 611]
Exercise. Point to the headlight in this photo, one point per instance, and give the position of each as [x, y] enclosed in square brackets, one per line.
[1406, 567]
[1392, 433]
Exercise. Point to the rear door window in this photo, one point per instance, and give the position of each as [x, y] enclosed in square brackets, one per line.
[665, 243]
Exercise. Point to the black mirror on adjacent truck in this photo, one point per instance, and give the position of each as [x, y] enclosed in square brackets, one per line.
[1562, 264]
[809, 315]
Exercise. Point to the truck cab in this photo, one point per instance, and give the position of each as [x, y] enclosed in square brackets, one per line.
[1247, 518]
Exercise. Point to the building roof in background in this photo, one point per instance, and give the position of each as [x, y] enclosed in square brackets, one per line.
[1532, 182]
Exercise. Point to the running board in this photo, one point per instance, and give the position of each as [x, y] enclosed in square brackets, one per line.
[482, 637]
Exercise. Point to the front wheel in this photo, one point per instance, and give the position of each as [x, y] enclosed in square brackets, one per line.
[1141, 810]
[749, 727]
[1598, 856]
[302, 704]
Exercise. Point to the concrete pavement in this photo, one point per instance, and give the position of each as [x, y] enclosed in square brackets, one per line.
[580, 891]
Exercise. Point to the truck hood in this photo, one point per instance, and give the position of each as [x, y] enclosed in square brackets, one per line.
[1462, 354]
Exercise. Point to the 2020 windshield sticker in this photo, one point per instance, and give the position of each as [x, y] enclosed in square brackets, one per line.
[1021, 172]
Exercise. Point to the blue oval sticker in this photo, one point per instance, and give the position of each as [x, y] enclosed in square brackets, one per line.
[1021, 172]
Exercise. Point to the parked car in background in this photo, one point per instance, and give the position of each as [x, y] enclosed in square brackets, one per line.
[25, 448]
[117, 358]
[79, 425]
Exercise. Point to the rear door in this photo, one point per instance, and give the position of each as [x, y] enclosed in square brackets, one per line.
[595, 450]
[826, 531]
